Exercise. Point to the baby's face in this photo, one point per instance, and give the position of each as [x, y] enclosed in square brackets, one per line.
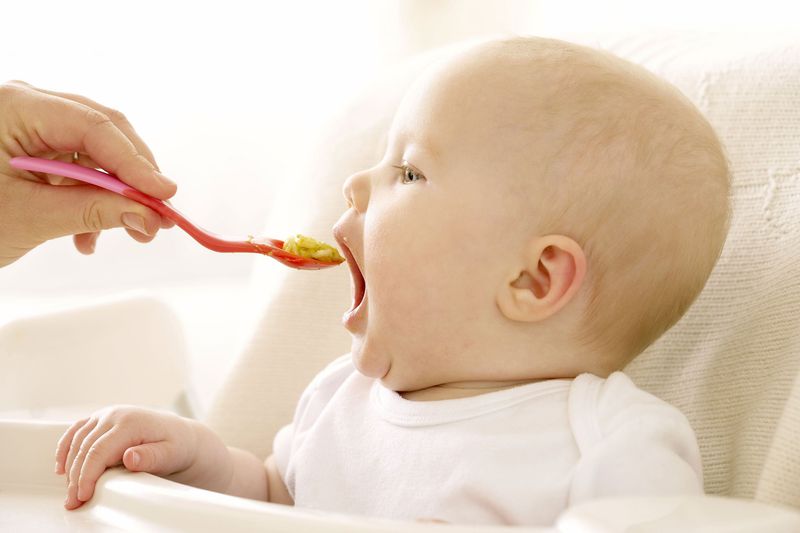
[433, 230]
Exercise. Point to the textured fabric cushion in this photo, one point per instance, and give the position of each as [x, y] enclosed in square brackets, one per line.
[730, 364]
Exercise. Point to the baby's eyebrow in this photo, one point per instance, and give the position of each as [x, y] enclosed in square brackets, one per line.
[428, 147]
[421, 143]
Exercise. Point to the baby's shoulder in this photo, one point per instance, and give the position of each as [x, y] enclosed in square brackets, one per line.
[322, 387]
[612, 402]
[630, 442]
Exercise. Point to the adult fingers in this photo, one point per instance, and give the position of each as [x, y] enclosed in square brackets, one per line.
[62, 448]
[80, 209]
[139, 237]
[86, 243]
[65, 125]
[86, 161]
[118, 118]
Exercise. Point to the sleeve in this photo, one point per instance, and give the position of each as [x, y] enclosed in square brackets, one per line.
[631, 444]
[313, 399]
[282, 448]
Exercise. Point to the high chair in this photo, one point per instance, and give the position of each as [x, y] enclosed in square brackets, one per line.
[730, 364]
[66, 363]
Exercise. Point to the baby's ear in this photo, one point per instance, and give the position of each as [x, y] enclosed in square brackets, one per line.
[548, 278]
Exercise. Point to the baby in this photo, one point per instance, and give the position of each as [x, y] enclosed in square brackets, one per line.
[542, 214]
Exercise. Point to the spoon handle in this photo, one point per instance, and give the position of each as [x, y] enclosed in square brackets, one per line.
[112, 183]
[72, 170]
[269, 247]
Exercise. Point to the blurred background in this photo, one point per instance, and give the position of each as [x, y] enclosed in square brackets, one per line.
[226, 95]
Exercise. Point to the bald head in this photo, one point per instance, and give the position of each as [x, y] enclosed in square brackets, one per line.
[591, 146]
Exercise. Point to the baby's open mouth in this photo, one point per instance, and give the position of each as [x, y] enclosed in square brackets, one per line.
[359, 285]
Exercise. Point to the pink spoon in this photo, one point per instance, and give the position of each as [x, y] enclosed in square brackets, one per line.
[262, 245]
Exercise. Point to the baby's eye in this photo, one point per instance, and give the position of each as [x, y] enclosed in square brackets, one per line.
[409, 174]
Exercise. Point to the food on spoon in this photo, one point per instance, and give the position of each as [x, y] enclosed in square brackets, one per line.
[308, 247]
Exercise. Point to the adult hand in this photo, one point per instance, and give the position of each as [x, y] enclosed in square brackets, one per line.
[36, 207]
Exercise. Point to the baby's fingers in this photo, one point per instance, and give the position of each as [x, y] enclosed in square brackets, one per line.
[64, 443]
[87, 450]
[161, 458]
[106, 451]
[75, 445]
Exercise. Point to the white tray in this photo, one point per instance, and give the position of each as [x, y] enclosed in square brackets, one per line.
[32, 496]
[31, 499]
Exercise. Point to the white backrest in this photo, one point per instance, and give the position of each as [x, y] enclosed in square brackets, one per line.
[731, 363]
[64, 364]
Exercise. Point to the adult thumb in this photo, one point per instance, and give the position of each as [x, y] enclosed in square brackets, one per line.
[158, 458]
[72, 209]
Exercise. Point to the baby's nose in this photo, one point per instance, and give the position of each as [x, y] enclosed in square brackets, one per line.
[356, 191]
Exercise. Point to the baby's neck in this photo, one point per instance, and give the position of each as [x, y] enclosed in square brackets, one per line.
[462, 389]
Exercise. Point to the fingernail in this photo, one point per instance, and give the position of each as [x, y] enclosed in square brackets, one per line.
[134, 222]
[93, 243]
[55, 468]
[135, 458]
[166, 180]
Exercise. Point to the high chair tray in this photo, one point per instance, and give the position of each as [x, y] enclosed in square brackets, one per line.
[31, 499]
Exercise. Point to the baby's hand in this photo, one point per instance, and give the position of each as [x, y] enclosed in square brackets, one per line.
[142, 440]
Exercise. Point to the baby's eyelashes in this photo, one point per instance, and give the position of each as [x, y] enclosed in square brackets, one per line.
[410, 174]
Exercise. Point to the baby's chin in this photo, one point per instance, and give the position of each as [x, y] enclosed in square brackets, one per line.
[369, 362]
[373, 362]
[398, 384]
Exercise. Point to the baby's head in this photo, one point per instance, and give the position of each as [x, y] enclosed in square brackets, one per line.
[542, 210]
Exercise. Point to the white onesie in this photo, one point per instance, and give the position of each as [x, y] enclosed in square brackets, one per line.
[516, 456]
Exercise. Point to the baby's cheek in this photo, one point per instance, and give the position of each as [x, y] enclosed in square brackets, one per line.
[415, 264]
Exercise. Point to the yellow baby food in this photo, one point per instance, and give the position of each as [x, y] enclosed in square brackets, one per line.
[308, 247]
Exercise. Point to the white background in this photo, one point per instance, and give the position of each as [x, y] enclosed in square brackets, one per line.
[223, 92]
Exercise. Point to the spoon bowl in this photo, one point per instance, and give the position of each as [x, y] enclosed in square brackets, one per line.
[260, 245]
